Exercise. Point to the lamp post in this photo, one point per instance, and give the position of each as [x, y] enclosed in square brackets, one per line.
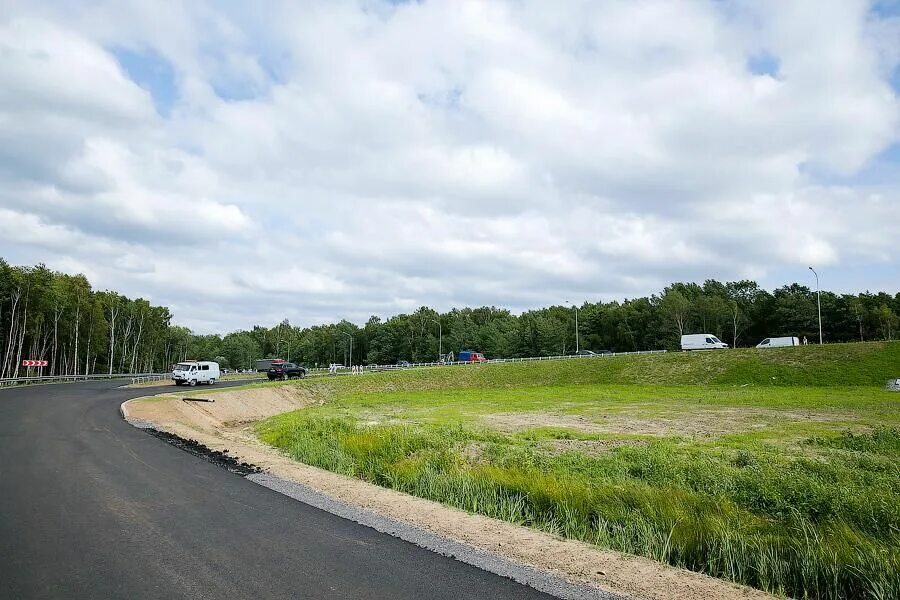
[576, 325]
[351, 346]
[440, 339]
[818, 302]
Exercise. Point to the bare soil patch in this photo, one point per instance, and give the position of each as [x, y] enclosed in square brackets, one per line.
[711, 422]
[588, 447]
[227, 409]
[226, 425]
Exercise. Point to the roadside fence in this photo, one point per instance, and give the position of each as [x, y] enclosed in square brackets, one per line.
[342, 370]
[135, 378]
[146, 378]
[316, 372]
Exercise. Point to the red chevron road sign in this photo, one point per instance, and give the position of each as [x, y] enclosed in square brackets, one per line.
[34, 363]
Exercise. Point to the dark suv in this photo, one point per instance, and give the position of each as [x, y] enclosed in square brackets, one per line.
[285, 371]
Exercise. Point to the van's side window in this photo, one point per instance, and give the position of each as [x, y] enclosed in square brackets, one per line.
[204, 367]
[709, 340]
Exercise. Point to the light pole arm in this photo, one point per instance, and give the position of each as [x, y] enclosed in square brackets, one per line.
[577, 346]
[575, 306]
[440, 338]
[351, 346]
[818, 303]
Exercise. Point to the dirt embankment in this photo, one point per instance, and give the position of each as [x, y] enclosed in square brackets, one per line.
[226, 424]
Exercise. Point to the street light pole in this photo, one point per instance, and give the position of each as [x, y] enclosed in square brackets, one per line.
[819, 303]
[576, 325]
[351, 346]
[440, 339]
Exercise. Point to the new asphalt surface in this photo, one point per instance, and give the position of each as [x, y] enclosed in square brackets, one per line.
[91, 507]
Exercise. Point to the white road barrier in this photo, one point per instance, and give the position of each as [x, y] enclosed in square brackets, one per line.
[377, 368]
[321, 372]
[70, 378]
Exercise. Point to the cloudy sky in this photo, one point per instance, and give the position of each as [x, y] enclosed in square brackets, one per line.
[245, 162]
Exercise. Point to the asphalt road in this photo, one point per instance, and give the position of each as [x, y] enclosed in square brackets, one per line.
[91, 507]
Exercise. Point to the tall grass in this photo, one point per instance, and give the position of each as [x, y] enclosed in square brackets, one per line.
[823, 523]
[814, 519]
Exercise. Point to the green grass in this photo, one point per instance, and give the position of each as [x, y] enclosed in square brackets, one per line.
[789, 484]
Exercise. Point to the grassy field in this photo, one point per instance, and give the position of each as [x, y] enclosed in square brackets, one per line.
[774, 468]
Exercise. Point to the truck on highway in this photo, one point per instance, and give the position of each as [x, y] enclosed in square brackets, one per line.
[470, 356]
[263, 365]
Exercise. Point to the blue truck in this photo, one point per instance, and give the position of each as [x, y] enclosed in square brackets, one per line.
[470, 356]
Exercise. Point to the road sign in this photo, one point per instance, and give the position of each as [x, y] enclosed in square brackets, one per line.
[34, 363]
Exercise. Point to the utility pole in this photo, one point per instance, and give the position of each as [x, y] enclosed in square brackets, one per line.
[351, 346]
[576, 326]
[819, 303]
[440, 340]
[278, 345]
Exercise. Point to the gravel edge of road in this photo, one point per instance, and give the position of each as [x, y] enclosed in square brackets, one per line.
[542, 581]
[538, 579]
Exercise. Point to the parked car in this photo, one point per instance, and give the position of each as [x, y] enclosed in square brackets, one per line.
[285, 370]
[192, 372]
[778, 342]
[470, 356]
[403, 363]
[701, 341]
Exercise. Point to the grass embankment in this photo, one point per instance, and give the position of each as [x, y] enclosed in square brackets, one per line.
[780, 471]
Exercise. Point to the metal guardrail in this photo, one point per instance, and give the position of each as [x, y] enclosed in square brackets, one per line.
[146, 378]
[9, 382]
[318, 372]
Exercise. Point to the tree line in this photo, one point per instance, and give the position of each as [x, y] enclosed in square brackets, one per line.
[60, 318]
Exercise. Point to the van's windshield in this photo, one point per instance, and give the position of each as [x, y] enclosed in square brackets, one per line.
[183, 367]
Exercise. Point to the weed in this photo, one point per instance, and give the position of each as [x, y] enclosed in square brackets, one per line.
[799, 495]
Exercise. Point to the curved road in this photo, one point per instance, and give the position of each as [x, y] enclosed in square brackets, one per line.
[91, 507]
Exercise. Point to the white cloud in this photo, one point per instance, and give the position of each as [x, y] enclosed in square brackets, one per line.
[444, 152]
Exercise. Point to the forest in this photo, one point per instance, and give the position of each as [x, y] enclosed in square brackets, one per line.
[60, 318]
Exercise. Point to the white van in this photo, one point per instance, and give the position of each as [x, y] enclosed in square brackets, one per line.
[779, 342]
[701, 341]
[193, 372]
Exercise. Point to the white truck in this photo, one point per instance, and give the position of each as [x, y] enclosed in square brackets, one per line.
[701, 341]
[192, 372]
[778, 342]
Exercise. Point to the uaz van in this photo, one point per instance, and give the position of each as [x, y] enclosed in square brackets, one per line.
[193, 372]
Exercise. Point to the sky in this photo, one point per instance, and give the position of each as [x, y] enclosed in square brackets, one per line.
[243, 163]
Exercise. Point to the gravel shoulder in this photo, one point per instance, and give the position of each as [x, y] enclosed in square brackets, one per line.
[226, 424]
